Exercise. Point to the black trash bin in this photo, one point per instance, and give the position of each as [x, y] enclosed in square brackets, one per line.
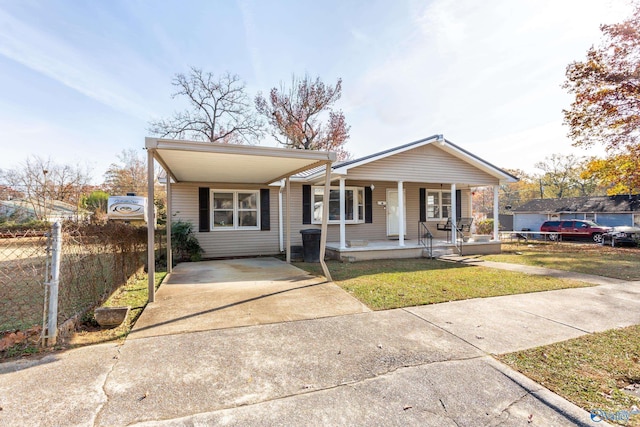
[311, 244]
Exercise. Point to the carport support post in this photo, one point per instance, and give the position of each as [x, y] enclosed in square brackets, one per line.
[168, 227]
[496, 213]
[151, 247]
[288, 215]
[325, 219]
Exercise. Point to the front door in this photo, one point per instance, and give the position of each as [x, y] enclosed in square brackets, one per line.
[393, 212]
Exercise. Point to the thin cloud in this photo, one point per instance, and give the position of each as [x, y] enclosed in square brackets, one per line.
[56, 59]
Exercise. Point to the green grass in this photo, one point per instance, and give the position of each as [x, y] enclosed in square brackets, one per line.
[590, 371]
[386, 284]
[588, 258]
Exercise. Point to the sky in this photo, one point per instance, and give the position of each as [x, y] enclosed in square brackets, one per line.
[81, 79]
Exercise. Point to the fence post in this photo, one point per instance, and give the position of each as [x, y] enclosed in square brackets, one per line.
[56, 254]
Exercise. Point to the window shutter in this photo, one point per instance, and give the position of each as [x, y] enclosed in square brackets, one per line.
[368, 205]
[203, 203]
[265, 217]
[423, 204]
[306, 204]
[459, 203]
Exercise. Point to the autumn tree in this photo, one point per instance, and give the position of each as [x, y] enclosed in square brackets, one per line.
[219, 110]
[128, 175]
[606, 108]
[41, 181]
[302, 116]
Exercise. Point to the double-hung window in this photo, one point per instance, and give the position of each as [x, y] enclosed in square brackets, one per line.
[354, 204]
[438, 205]
[235, 210]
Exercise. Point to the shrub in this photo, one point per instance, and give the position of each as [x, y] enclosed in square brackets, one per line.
[484, 226]
[184, 243]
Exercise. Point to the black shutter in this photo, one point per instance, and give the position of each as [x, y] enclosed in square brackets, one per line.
[306, 204]
[265, 217]
[423, 204]
[368, 205]
[203, 199]
[458, 203]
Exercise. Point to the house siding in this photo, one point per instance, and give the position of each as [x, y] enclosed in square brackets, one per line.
[226, 243]
[428, 164]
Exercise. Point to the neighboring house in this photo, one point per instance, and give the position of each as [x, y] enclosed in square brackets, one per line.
[604, 210]
[429, 181]
[21, 210]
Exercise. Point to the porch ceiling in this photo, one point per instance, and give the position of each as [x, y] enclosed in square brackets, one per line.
[188, 161]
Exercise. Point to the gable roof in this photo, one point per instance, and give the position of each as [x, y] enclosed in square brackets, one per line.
[597, 204]
[446, 145]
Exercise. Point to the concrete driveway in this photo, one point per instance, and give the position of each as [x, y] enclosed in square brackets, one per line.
[222, 294]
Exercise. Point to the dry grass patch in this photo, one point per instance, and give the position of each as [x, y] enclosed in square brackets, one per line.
[588, 258]
[386, 284]
[591, 371]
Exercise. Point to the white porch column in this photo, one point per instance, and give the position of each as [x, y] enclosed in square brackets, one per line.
[325, 220]
[288, 221]
[454, 214]
[401, 224]
[151, 247]
[343, 211]
[168, 227]
[496, 213]
[280, 220]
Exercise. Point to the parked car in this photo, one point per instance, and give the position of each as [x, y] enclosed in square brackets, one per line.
[574, 228]
[622, 235]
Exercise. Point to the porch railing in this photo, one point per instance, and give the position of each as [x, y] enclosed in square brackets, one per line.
[425, 238]
[461, 227]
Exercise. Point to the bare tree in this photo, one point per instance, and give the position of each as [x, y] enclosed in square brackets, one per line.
[301, 116]
[219, 110]
[42, 181]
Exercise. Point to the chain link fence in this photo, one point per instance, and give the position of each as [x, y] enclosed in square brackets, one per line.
[94, 262]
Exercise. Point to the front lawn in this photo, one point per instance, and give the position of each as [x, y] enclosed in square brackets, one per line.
[386, 284]
[588, 258]
[591, 371]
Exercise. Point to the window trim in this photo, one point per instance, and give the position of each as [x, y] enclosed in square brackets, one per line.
[355, 207]
[440, 204]
[236, 210]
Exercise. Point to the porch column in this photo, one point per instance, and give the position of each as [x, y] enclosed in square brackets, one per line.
[151, 247]
[168, 227]
[288, 222]
[325, 220]
[343, 211]
[401, 224]
[454, 214]
[496, 213]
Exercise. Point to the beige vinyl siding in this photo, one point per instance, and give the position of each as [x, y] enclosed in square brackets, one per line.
[428, 164]
[377, 230]
[226, 243]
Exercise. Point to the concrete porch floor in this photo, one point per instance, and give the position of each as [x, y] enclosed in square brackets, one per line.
[389, 249]
[208, 295]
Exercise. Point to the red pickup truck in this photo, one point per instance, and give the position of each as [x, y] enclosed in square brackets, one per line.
[574, 228]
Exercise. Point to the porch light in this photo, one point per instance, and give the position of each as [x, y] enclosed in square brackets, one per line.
[373, 187]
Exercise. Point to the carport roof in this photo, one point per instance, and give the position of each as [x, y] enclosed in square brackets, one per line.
[190, 161]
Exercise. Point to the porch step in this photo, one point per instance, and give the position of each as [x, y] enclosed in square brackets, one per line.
[438, 252]
[460, 259]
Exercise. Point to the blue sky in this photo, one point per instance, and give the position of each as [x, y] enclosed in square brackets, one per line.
[81, 79]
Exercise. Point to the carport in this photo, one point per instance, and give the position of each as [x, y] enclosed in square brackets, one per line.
[191, 161]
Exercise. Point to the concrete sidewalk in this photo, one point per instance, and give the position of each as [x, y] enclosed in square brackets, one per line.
[426, 365]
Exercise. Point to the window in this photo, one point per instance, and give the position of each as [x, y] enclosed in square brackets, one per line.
[354, 204]
[234, 210]
[438, 205]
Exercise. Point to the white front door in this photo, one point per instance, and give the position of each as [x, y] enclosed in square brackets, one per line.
[393, 212]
